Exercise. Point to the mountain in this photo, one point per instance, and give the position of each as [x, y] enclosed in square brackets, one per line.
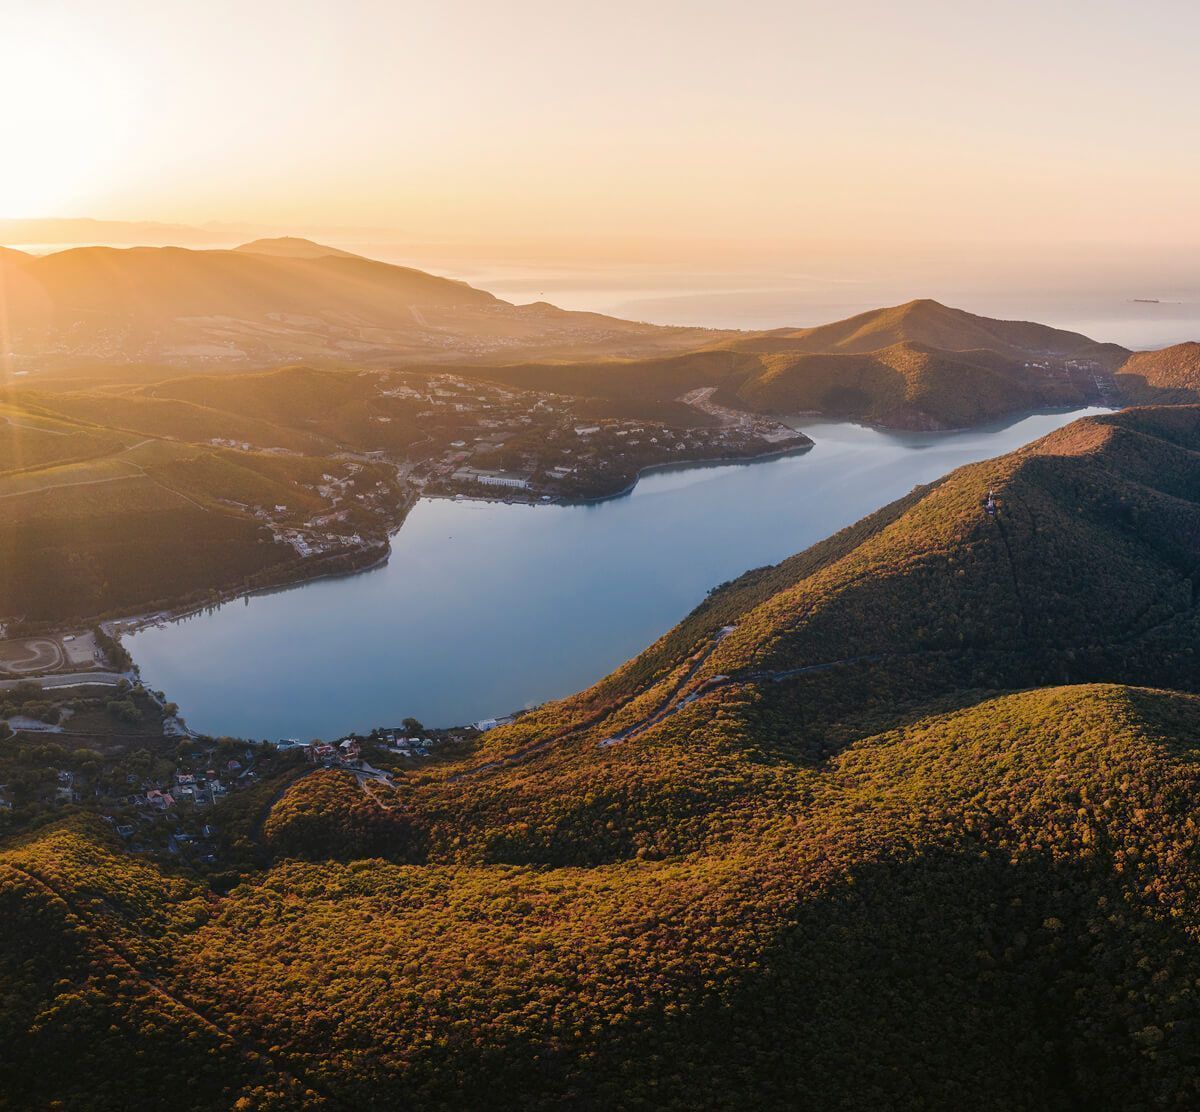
[293, 247]
[73, 230]
[909, 385]
[934, 325]
[278, 301]
[269, 302]
[1169, 376]
[924, 365]
[916, 366]
[905, 821]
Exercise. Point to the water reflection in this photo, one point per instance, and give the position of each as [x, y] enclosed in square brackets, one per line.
[484, 608]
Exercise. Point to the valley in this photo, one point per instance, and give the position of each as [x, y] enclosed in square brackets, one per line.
[990, 713]
[599, 558]
[336, 765]
[144, 488]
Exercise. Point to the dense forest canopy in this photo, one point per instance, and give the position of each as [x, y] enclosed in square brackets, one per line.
[906, 821]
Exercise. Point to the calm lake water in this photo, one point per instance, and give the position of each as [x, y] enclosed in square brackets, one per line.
[485, 608]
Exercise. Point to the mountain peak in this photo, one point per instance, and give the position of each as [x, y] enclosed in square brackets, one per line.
[293, 247]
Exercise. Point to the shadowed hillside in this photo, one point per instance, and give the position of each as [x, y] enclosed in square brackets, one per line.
[937, 326]
[917, 366]
[1167, 377]
[905, 821]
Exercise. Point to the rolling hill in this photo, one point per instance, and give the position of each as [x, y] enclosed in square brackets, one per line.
[921, 365]
[934, 325]
[277, 301]
[122, 502]
[293, 247]
[906, 821]
[1170, 376]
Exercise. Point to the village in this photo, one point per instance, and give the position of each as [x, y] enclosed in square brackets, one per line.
[125, 756]
[490, 441]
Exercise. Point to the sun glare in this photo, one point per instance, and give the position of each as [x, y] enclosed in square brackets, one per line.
[64, 116]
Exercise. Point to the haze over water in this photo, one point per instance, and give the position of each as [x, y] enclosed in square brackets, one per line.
[1139, 303]
[486, 607]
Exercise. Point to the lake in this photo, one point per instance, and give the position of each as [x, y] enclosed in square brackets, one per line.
[485, 608]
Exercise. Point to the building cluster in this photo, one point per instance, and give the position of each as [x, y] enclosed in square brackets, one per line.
[200, 789]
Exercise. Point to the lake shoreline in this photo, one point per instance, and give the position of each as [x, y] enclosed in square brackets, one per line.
[485, 609]
[120, 625]
[643, 472]
[123, 625]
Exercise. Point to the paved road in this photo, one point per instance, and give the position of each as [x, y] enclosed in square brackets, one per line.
[71, 679]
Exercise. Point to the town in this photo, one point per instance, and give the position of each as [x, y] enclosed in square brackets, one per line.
[124, 755]
[485, 440]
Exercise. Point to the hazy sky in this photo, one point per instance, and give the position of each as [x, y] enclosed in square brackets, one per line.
[947, 121]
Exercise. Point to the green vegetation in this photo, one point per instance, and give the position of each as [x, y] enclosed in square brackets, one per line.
[135, 514]
[919, 365]
[907, 821]
[1167, 377]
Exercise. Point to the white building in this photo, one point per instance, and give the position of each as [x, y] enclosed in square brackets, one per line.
[493, 478]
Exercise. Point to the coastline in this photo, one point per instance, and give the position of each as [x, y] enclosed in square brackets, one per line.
[642, 472]
[120, 625]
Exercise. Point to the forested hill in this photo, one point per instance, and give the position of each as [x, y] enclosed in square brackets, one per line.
[932, 324]
[921, 365]
[906, 822]
[1085, 571]
[1169, 376]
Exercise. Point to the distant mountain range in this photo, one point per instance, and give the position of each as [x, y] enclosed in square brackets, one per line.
[276, 301]
[921, 365]
[294, 247]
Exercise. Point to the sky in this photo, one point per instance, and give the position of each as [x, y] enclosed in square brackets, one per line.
[745, 126]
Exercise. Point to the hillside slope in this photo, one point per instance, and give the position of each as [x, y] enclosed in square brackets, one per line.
[293, 247]
[276, 301]
[934, 325]
[906, 821]
[1170, 376]
[921, 365]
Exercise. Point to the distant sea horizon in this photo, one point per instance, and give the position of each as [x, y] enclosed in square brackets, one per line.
[1137, 307]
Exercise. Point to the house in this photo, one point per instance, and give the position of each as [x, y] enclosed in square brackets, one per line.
[493, 478]
[351, 749]
[321, 752]
[161, 800]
